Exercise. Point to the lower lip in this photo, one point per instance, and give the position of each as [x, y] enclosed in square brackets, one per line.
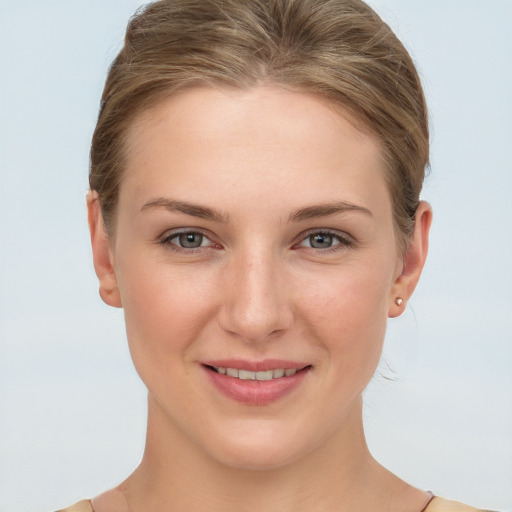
[256, 392]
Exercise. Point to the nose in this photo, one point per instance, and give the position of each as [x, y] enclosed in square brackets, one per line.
[255, 305]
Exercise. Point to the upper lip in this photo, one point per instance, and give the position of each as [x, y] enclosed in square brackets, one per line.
[256, 366]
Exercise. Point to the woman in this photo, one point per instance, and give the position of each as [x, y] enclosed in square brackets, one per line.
[254, 209]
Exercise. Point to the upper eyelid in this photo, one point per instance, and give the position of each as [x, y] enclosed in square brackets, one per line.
[328, 231]
[167, 238]
[345, 241]
[171, 233]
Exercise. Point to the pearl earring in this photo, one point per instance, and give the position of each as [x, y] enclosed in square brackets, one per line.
[399, 301]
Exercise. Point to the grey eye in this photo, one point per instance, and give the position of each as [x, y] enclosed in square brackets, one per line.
[190, 240]
[321, 241]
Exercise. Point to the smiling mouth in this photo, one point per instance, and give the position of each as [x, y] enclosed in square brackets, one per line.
[267, 375]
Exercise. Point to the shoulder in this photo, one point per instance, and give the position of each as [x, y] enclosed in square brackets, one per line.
[81, 506]
[442, 505]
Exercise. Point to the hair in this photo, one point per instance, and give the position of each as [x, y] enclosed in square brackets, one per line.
[337, 49]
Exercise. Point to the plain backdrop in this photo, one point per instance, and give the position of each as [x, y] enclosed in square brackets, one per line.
[72, 410]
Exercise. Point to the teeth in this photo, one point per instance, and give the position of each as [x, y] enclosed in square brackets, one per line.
[268, 375]
[232, 372]
[248, 375]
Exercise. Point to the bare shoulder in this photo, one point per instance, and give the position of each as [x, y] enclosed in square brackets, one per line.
[81, 506]
[112, 500]
[442, 505]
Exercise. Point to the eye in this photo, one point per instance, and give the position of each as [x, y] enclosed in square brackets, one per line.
[325, 240]
[187, 240]
[320, 241]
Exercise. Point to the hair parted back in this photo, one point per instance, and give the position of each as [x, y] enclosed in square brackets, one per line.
[338, 49]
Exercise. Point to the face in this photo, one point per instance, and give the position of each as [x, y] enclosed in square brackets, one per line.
[255, 258]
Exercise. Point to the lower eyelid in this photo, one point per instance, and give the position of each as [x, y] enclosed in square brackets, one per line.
[339, 238]
[176, 240]
[170, 240]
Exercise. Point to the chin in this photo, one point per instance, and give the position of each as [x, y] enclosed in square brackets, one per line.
[256, 457]
[260, 449]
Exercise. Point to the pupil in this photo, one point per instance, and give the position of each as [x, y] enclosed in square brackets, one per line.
[321, 241]
[191, 240]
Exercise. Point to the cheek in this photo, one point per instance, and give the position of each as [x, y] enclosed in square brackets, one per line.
[164, 313]
[348, 317]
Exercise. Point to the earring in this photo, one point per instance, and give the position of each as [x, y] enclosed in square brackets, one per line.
[399, 301]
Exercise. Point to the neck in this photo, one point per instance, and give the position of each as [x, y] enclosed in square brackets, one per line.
[340, 475]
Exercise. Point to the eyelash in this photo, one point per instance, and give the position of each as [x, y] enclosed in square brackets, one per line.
[344, 241]
[167, 241]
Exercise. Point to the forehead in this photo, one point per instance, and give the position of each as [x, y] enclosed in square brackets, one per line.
[199, 108]
[266, 140]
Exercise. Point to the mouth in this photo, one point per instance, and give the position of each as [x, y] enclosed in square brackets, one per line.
[266, 375]
[256, 383]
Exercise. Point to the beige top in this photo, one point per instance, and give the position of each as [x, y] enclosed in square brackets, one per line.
[442, 505]
[436, 505]
[81, 506]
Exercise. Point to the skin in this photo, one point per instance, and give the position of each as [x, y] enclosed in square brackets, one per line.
[257, 288]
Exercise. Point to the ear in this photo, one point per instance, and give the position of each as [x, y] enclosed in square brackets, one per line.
[102, 253]
[413, 261]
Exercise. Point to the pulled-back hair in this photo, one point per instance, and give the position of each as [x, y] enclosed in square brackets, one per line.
[338, 49]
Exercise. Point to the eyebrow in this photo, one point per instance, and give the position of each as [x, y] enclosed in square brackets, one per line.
[207, 213]
[326, 209]
[195, 210]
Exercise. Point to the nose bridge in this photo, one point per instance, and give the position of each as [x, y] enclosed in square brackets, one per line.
[256, 305]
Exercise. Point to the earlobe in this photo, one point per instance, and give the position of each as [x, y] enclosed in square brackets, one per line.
[102, 253]
[413, 261]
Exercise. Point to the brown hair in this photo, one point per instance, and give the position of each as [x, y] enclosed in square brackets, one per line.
[339, 49]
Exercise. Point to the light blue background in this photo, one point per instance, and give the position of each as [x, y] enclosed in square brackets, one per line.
[72, 411]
